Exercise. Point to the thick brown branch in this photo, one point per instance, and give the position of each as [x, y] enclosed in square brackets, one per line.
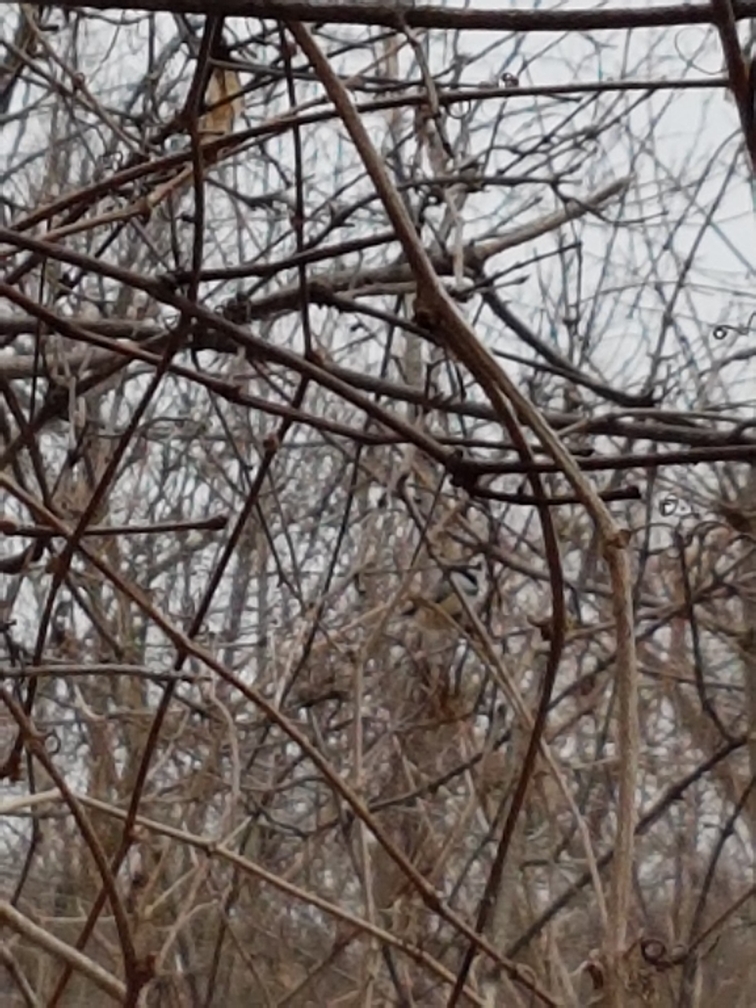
[388, 14]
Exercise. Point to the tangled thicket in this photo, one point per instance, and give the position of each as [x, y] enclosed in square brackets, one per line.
[297, 313]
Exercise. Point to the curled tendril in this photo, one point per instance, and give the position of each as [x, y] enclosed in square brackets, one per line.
[51, 742]
[459, 113]
[723, 329]
[668, 505]
[654, 951]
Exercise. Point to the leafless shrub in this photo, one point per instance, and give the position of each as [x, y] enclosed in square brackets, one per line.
[298, 315]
